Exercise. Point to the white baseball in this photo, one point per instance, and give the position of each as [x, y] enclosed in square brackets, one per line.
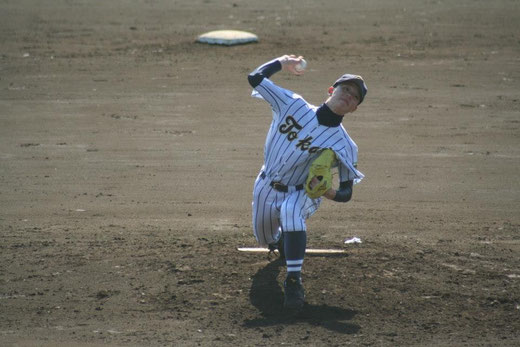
[302, 65]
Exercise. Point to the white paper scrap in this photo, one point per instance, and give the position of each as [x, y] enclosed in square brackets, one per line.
[354, 240]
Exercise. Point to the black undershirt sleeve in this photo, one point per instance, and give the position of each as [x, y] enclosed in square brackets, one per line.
[344, 193]
[266, 70]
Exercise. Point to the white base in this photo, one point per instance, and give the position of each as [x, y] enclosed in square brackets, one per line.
[227, 37]
[308, 250]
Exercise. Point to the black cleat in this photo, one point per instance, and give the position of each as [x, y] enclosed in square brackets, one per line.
[278, 246]
[294, 296]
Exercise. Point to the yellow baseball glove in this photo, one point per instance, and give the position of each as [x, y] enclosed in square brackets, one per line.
[320, 168]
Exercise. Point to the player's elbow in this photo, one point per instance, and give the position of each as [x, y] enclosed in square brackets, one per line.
[254, 79]
[344, 194]
[345, 197]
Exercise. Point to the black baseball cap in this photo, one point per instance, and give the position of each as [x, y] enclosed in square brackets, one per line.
[358, 80]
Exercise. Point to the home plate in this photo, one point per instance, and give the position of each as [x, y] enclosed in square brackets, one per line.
[307, 251]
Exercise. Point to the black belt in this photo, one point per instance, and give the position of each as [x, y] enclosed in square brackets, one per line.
[281, 187]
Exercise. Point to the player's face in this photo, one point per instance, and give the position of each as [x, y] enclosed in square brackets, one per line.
[345, 98]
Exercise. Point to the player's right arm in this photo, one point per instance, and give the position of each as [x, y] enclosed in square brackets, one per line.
[285, 62]
[264, 71]
[278, 97]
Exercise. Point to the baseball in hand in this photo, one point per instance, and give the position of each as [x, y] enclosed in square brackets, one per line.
[302, 65]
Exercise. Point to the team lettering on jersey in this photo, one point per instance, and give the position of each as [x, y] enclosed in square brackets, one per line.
[287, 128]
[290, 124]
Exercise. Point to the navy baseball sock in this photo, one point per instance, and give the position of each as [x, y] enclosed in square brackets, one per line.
[294, 245]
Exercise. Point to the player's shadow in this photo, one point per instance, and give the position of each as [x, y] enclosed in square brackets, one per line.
[266, 295]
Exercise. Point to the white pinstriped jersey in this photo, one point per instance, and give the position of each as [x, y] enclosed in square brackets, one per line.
[295, 138]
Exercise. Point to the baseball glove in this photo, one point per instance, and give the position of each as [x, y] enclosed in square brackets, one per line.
[320, 168]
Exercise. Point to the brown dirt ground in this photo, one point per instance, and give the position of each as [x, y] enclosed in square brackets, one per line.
[128, 154]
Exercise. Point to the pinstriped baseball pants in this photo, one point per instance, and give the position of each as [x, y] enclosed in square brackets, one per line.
[274, 211]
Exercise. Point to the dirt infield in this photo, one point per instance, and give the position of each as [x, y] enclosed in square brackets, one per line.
[128, 154]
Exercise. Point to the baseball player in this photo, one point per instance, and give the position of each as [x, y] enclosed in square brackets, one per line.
[303, 142]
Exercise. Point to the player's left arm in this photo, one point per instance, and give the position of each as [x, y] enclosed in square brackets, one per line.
[343, 194]
[345, 189]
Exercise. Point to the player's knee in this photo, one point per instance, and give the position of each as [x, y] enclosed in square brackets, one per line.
[291, 222]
